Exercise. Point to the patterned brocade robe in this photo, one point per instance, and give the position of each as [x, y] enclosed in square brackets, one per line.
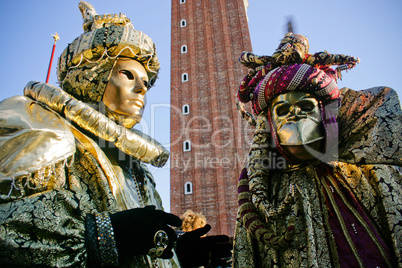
[348, 212]
[52, 174]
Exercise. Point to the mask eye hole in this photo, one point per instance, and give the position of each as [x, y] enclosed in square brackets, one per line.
[282, 110]
[145, 83]
[306, 106]
[127, 74]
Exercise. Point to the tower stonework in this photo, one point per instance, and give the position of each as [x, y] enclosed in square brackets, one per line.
[209, 140]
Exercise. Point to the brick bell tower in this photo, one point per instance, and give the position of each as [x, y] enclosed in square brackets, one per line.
[209, 140]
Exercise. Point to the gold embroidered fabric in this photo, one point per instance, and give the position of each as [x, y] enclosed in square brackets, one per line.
[62, 175]
[370, 124]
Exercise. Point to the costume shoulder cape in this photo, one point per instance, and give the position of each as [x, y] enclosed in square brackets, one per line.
[31, 137]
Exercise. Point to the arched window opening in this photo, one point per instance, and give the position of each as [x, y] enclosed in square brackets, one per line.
[183, 49]
[184, 77]
[186, 146]
[186, 109]
[183, 23]
[188, 187]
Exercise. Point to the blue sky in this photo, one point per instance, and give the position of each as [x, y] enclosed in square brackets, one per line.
[370, 30]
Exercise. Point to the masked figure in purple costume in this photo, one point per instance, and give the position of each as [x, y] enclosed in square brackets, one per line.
[336, 202]
[74, 189]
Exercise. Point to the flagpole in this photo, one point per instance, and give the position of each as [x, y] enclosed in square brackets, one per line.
[55, 37]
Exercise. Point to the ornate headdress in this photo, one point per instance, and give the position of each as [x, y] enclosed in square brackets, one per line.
[291, 68]
[85, 65]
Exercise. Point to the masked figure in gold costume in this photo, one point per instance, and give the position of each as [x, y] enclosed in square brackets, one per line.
[335, 201]
[73, 184]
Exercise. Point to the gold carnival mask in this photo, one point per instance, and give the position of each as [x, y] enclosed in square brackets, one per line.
[297, 119]
[125, 92]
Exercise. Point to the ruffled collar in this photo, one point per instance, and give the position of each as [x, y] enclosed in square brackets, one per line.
[130, 141]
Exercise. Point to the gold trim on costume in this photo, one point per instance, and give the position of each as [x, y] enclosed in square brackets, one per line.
[342, 223]
[359, 218]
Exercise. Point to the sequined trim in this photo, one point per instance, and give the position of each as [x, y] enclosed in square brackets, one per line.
[298, 77]
[91, 241]
[327, 90]
[261, 94]
[106, 241]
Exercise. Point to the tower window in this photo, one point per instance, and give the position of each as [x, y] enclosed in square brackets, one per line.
[184, 77]
[188, 187]
[183, 49]
[186, 146]
[186, 109]
[183, 23]
[182, 1]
